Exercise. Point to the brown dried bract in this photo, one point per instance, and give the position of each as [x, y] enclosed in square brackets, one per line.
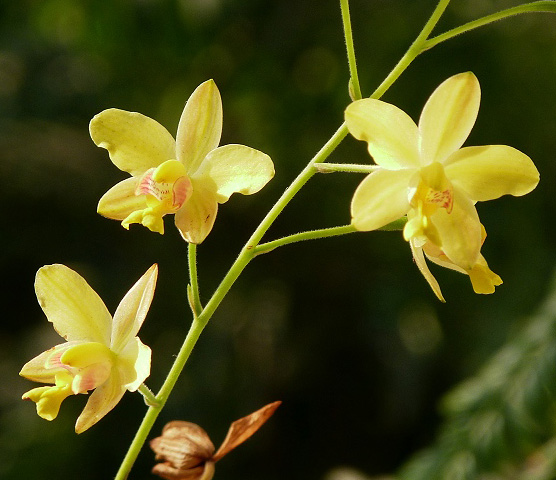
[187, 453]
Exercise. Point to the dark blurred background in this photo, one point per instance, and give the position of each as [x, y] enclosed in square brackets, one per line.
[344, 331]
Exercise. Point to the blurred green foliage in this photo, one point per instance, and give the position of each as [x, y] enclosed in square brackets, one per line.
[343, 330]
[501, 423]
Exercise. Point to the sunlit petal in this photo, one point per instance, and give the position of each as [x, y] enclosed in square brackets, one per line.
[90, 377]
[391, 134]
[236, 168]
[424, 269]
[134, 364]
[196, 218]
[132, 310]
[120, 201]
[200, 126]
[483, 279]
[380, 199]
[460, 231]
[134, 141]
[40, 369]
[486, 173]
[73, 307]
[449, 116]
[101, 401]
[49, 399]
[84, 354]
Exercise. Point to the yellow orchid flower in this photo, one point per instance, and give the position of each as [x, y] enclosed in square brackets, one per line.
[187, 177]
[426, 174]
[101, 353]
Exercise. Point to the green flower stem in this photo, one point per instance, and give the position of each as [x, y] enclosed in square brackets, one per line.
[345, 167]
[355, 89]
[193, 287]
[547, 6]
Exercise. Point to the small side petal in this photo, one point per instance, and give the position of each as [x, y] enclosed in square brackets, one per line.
[38, 368]
[380, 199]
[120, 201]
[200, 125]
[132, 310]
[101, 401]
[196, 218]
[488, 172]
[391, 134]
[236, 169]
[134, 364]
[134, 141]
[424, 269]
[73, 307]
[449, 116]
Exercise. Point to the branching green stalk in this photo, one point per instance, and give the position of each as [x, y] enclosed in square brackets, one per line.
[245, 256]
[355, 88]
[547, 6]
[252, 247]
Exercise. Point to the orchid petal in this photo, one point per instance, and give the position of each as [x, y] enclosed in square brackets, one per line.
[488, 172]
[449, 116]
[101, 401]
[90, 377]
[120, 201]
[460, 231]
[38, 368]
[424, 269]
[84, 354]
[73, 307]
[236, 168]
[380, 199]
[483, 279]
[200, 126]
[49, 399]
[196, 218]
[134, 141]
[391, 134]
[132, 310]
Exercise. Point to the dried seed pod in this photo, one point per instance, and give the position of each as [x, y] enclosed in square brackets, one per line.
[168, 472]
[187, 452]
[184, 448]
